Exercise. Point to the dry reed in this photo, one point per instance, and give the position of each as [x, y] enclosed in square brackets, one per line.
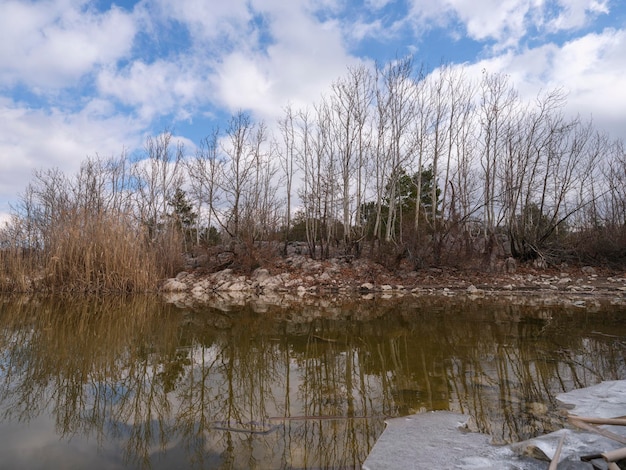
[94, 253]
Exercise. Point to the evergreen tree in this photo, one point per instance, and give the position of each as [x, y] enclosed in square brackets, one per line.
[183, 217]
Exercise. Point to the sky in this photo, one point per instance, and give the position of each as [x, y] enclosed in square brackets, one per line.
[81, 78]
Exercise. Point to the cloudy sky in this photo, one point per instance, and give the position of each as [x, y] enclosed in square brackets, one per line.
[80, 77]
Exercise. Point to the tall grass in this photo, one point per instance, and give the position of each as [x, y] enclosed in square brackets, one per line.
[97, 253]
[85, 234]
[15, 266]
[92, 253]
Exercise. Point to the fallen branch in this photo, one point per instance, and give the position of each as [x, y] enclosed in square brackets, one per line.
[326, 417]
[603, 432]
[614, 455]
[321, 338]
[555, 460]
[591, 420]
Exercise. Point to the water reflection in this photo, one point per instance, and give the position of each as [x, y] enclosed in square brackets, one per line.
[158, 386]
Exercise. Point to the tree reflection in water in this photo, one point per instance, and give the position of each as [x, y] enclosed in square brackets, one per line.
[306, 388]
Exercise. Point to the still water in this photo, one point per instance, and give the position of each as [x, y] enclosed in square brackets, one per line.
[137, 383]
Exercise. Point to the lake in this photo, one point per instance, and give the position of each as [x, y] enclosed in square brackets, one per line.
[106, 383]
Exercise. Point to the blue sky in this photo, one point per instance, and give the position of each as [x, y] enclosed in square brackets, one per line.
[81, 77]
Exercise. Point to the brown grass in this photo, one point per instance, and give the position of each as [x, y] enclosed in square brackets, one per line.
[92, 253]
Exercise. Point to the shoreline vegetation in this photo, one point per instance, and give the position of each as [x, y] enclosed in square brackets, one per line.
[395, 173]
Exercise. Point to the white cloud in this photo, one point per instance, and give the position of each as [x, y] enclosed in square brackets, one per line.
[223, 22]
[373, 29]
[305, 56]
[243, 82]
[274, 52]
[52, 44]
[33, 139]
[503, 21]
[506, 21]
[155, 89]
[591, 69]
[575, 14]
[377, 4]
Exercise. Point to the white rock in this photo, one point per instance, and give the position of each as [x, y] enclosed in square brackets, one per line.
[237, 286]
[260, 274]
[173, 285]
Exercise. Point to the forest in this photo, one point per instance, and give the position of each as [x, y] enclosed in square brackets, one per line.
[391, 163]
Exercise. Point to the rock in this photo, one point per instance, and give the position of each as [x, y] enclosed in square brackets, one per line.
[472, 289]
[588, 270]
[510, 265]
[325, 277]
[258, 306]
[272, 282]
[260, 274]
[225, 258]
[178, 298]
[223, 275]
[194, 262]
[173, 285]
[237, 286]
[312, 266]
[198, 290]
[368, 286]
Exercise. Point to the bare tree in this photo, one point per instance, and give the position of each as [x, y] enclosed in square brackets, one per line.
[396, 98]
[310, 168]
[349, 105]
[287, 159]
[238, 170]
[157, 177]
[452, 105]
[497, 102]
[260, 201]
[205, 173]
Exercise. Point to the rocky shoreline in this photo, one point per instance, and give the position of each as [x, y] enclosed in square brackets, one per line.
[297, 278]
